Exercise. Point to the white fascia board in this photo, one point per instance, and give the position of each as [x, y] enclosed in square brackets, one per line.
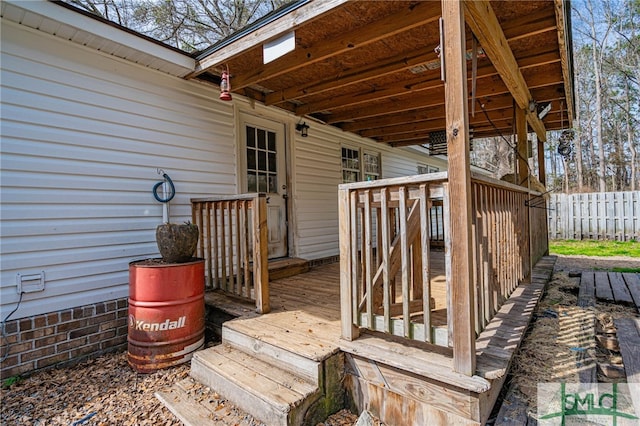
[277, 28]
[100, 29]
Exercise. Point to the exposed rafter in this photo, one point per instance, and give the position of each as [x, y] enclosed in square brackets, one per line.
[370, 67]
[405, 20]
[482, 20]
[541, 22]
[288, 22]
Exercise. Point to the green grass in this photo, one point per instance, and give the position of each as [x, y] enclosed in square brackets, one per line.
[596, 248]
[6, 383]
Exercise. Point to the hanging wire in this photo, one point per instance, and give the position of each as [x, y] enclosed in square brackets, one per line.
[2, 329]
[537, 201]
[503, 137]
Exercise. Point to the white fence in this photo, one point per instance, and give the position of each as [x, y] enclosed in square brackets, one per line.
[595, 216]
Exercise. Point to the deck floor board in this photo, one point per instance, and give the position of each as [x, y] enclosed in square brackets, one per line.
[305, 319]
[614, 287]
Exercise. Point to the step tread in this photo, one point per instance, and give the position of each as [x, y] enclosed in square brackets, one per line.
[308, 345]
[272, 384]
[195, 405]
[273, 354]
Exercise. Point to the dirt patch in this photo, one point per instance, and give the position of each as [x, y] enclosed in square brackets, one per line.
[561, 343]
[588, 263]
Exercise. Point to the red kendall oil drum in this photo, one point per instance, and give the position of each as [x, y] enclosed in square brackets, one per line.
[166, 313]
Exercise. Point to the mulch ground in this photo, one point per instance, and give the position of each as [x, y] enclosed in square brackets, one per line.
[102, 391]
[548, 352]
[105, 391]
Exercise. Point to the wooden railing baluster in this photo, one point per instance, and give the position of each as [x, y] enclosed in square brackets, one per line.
[387, 228]
[225, 241]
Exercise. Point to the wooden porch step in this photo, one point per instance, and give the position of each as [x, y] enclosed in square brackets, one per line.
[287, 267]
[194, 405]
[236, 335]
[271, 394]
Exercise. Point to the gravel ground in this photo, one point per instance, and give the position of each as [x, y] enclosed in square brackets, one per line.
[106, 391]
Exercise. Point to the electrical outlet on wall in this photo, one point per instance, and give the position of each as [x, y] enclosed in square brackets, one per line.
[30, 283]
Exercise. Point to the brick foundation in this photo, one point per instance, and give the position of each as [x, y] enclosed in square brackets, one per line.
[64, 336]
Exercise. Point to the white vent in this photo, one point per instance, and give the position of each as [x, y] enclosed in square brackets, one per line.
[30, 283]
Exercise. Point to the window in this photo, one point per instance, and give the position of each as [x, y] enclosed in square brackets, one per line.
[354, 170]
[350, 165]
[423, 168]
[371, 166]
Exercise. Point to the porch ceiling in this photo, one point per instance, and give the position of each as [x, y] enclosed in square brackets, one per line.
[371, 68]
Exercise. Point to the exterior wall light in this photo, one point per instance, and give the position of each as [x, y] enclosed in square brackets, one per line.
[225, 86]
[302, 128]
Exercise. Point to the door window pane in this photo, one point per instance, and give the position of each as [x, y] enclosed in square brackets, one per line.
[262, 182]
[262, 160]
[262, 139]
[272, 161]
[272, 141]
[262, 164]
[251, 136]
[251, 159]
[251, 183]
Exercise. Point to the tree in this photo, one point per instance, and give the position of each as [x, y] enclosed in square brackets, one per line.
[607, 72]
[190, 25]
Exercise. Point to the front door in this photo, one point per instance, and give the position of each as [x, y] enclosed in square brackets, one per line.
[264, 170]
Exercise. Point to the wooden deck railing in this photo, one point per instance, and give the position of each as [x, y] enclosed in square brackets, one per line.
[385, 258]
[233, 242]
[386, 265]
[501, 241]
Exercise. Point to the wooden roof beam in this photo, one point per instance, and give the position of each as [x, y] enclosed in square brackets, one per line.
[403, 102]
[415, 84]
[255, 38]
[483, 22]
[358, 75]
[536, 24]
[480, 125]
[434, 124]
[545, 94]
[411, 17]
[564, 39]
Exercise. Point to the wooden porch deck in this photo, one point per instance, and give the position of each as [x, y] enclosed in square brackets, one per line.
[304, 326]
[305, 310]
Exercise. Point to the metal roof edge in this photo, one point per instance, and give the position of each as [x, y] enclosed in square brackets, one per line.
[72, 16]
[261, 22]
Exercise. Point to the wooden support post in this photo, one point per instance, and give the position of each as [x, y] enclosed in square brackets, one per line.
[260, 262]
[522, 144]
[455, 61]
[347, 270]
[523, 178]
[542, 174]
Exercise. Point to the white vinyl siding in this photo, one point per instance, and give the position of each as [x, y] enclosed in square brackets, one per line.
[82, 136]
[318, 172]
